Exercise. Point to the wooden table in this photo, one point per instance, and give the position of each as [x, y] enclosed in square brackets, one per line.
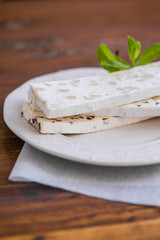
[38, 37]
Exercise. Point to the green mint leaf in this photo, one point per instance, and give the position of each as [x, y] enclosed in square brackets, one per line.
[113, 65]
[134, 49]
[112, 62]
[150, 54]
[103, 53]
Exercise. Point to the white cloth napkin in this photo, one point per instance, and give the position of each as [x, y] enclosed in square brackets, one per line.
[138, 185]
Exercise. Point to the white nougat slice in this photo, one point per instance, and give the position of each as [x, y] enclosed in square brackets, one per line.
[145, 108]
[74, 124]
[83, 95]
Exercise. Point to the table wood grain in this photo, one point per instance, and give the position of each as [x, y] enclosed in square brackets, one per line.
[38, 37]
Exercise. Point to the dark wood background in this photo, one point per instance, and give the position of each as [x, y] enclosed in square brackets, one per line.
[38, 37]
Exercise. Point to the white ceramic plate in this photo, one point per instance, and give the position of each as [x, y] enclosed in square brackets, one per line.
[137, 144]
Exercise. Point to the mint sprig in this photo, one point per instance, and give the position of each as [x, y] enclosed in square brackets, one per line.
[113, 63]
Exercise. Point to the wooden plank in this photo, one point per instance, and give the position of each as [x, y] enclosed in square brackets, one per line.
[36, 207]
[144, 230]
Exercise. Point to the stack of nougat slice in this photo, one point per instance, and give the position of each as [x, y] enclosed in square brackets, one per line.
[96, 103]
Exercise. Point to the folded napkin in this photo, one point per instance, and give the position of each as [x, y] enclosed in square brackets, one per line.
[138, 185]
